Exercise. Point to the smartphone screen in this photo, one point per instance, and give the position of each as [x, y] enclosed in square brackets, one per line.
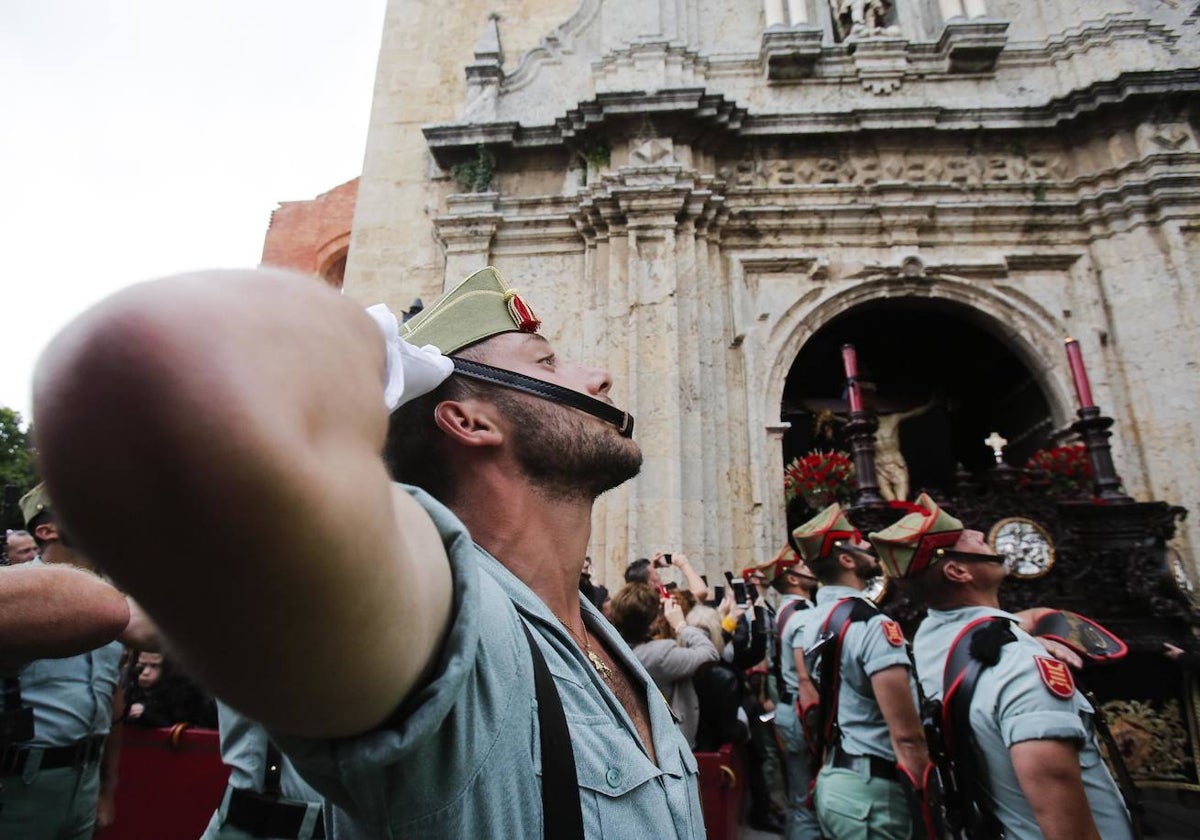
[739, 591]
[718, 594]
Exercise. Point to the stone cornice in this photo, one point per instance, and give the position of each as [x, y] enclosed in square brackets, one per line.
[1093, 98]
[701, 111]
[703, 114]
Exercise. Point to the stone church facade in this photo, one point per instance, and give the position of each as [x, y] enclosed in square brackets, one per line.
[693, 192]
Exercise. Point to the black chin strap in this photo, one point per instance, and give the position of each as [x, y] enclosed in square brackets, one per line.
[622, 420]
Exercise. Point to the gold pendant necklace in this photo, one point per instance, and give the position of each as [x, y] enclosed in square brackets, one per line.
[599, 664]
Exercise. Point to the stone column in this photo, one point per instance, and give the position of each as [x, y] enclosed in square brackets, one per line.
[773, 12]
[466, 232]
[797, 12]
[951, 9]
[615, 515]
[962, 8]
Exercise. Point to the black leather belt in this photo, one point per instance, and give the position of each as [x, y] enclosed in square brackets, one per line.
[83, 752]
[879, 768]
[262, 816]
[787, 696]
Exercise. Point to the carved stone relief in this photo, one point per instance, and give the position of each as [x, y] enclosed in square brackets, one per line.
[915, 167]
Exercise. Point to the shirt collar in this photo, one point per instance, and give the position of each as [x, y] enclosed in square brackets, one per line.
[829, 594]
[958, 615]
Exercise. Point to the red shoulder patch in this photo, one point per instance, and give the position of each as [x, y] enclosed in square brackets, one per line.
[893, 633]
[1057, 677]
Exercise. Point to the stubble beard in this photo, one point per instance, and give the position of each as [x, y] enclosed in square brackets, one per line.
[567, 454]
[866, 568]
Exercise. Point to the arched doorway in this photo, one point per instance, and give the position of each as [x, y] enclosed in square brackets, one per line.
[940, 356]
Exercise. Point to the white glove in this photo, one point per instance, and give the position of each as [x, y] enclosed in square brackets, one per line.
[411, 371]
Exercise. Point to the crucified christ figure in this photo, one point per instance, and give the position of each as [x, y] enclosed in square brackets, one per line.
[891, 470]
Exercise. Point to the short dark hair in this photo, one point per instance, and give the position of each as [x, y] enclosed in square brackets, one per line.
[826, 567]
[414, 451]
[638, 571]
[930, 588]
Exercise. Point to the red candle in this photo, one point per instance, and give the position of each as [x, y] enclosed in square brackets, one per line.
[850, 363]
[1083, 389]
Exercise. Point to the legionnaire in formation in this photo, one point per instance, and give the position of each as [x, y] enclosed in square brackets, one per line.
[868, 735]
[797, 586]
[1025, 738]
[50, 779]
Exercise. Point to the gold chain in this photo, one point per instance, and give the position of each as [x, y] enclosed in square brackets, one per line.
[599, 664]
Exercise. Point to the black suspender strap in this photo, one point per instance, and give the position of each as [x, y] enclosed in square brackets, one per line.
[977, 647]
[562, 815]
[273, 773]
[781, 621]
[844, 613]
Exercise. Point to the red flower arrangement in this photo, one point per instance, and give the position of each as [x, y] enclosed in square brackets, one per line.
[1068, 468]
[820, 478]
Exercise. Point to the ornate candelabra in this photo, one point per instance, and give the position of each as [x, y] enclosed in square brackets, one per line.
[861, 431]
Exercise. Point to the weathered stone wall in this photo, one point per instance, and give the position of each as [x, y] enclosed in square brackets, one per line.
[687, 199]
[394, 255]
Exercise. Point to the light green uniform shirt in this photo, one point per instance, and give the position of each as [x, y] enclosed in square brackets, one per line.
[1012, 703]
[71, 697]
[462, 758]
[244, 752]
[866, 650]
[789, 639]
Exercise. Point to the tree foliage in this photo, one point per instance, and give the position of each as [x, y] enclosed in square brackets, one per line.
[16, 463]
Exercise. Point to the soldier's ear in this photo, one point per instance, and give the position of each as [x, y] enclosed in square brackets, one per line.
[469, 422]
[46, 531]
[956, 572]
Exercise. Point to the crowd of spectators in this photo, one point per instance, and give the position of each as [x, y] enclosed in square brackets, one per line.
[707, 649]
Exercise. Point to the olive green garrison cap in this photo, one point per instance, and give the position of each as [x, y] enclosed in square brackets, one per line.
[479, 307]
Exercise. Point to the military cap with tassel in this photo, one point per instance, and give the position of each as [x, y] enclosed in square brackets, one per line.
[907, 547]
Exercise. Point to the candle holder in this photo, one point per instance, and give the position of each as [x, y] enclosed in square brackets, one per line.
[861, 431]
[1093, 427]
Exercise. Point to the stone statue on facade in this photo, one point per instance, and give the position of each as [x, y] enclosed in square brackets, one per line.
[856, 18]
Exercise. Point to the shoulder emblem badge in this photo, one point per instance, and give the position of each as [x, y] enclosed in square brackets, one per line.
[1056, 676]
[893, 633]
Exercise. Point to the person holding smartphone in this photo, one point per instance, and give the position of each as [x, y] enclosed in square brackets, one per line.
[646, 570]
[673, 656]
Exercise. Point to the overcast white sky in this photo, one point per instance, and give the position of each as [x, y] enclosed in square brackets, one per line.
[144, 137]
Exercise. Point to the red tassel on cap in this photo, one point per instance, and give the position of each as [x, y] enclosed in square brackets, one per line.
[521, 314]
